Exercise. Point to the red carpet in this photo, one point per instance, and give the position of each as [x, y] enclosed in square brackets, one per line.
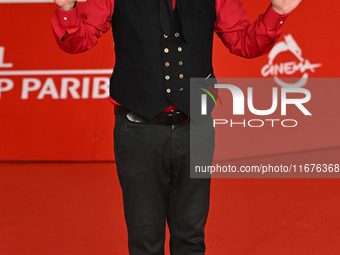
[76, 208]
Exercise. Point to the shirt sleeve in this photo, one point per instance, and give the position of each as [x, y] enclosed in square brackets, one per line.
[78, 30]
[242, 37]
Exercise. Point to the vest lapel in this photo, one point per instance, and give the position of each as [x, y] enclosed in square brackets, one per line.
[166, 16]
[182, 6]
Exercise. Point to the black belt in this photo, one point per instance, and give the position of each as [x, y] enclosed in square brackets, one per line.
[163, 118]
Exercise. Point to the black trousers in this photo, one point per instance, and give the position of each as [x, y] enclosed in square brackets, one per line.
[153, 164]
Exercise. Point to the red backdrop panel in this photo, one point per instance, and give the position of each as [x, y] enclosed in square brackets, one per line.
[54, 106]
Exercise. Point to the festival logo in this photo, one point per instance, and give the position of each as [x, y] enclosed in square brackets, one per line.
[301, 65]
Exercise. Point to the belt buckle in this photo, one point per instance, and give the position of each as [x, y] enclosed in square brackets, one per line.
[174, 112]
[133, 117]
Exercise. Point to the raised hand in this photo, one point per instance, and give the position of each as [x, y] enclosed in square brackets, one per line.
[285, 6]
[66, 5]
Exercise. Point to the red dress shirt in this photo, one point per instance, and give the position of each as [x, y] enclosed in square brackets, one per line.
[85, 25]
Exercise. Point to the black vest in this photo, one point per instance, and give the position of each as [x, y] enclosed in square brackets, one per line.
[153, 69]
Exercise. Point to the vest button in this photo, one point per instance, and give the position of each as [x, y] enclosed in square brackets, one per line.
[168, 91]
[180, 63]
[166, 50]
[177, 34]
[179, 49]
[167, 77]
[165, 36]
[181, 89]
[181, 76]
[167, 64]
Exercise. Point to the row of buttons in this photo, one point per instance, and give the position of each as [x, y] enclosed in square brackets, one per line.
[166, 36]
[169, 90]
[181, 76]
[166, 50]
[167, 64]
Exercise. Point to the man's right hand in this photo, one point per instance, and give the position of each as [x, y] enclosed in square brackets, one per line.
[66, 5]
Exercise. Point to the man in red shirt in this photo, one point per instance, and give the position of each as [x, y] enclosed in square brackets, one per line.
[159, 46]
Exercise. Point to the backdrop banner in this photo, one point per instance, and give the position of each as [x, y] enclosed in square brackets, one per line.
[54, 106]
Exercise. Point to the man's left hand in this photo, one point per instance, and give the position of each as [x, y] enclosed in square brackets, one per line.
[285, 6]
